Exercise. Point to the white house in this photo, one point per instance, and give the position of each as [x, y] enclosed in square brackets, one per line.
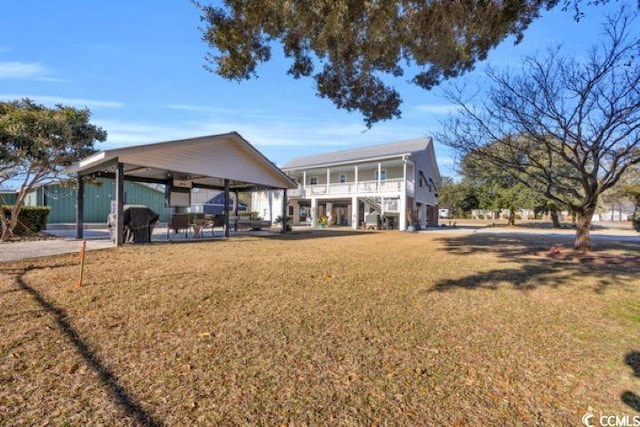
[398, 181]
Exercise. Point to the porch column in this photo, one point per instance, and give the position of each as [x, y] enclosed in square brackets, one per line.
[329, 208]
[226, 207]
[379, 177]
[285, 213]
[80, 208]
[296, 213]
[304, 179]
[403, 197]
[355, 177]
[314, 212]
[119, 232]
[355, 214]
[328, 179]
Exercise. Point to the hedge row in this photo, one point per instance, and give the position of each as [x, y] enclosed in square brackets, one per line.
[31, 219]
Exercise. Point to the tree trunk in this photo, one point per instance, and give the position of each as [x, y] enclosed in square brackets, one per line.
[5, 231]
[5, 227]
[583, 230]
[512, 217]
[555, 218]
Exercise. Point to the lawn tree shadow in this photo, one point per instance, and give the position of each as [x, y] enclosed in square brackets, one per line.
[628, 397]
[524, 278]
[536, 264]
[316, 234]
[109, 380]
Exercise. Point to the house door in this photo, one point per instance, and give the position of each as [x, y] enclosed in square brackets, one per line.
[305, 208]
[340, 215]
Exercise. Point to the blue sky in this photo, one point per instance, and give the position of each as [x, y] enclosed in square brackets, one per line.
[138, 66]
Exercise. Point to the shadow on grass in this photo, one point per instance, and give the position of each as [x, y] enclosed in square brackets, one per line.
[108, 378]
[630, 398]
[535, 265]
[258, 234]
[316, 234]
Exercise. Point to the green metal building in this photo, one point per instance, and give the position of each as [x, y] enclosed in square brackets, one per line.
[98, 198]
[8, 197]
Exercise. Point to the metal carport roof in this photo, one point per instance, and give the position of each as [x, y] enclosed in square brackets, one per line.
[204, 161]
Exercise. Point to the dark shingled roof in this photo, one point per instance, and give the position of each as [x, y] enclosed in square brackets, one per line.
[360, 153]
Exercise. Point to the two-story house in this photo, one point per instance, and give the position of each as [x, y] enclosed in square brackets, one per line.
[398, 181]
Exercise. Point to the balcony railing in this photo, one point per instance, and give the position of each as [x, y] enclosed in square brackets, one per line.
[352, 188]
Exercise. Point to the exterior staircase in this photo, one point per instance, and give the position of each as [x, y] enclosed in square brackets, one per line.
[374, 203]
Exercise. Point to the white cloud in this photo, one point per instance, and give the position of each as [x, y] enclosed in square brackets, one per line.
[437, 109]
[21, 70]
[26, 71]
[76, 102]
[267, 128]
[123, 133]
[280, 137]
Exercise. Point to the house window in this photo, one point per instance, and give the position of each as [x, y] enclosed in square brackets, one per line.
[313, 180]
[343, 178]
[383, 175]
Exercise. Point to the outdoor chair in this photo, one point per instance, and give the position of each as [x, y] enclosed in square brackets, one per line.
[208, 222]
[178, 223]
[217, 221]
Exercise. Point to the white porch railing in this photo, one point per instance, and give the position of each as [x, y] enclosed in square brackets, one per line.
[351, 188]
[391, 205]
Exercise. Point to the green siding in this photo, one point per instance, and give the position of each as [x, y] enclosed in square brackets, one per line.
[97, 200]
[8, 198]
[34, 198]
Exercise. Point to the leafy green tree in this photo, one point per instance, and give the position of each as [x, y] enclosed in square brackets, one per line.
[351, 47]
[498, 189]
[628, 188]
[36, 144]
[567, 127]
[459, 197]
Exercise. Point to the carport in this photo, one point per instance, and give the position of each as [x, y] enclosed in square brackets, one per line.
[225, 162]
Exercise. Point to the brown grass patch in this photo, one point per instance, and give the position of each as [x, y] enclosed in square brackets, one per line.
[371, 328]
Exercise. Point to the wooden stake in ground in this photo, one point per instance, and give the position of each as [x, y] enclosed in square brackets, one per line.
[81, 255]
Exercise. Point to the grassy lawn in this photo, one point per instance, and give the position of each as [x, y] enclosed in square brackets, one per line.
[323, 328]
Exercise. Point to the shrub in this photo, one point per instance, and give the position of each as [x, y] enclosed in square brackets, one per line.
[31, 219]
[278, 220]
[636, 224]
[480, 216]
[252, 215]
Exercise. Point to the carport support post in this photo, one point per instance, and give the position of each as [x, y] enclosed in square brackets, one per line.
[285, 205]
[119, 232]
[226, 207]
[235, 225]
[80, 208]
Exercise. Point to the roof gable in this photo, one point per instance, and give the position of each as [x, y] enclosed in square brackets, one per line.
[205, 160]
